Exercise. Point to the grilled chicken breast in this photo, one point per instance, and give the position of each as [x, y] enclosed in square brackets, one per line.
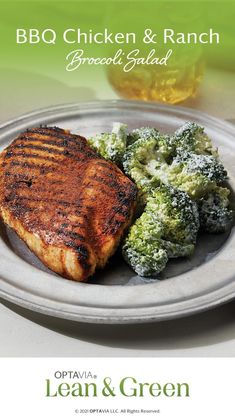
[67, 203]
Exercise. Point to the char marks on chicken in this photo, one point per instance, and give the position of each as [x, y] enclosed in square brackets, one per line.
[67, 203]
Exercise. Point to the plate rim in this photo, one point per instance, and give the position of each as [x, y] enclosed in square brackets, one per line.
[114, 102]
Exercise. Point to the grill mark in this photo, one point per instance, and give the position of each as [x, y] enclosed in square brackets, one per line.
[48, 127]
[29, 182]
[61, 134]
[55, 201]
[41, 136]
[112, 226]
[85, 265]
[65, 204]
[23, 183]
[43, 169]
[83, 254]
[18, 208]
[111, 185]
[83, 251]
[31, 155]
[121, 194]
[117, 222]
[64, 143]
[30, 179]
[133, 192]
[121, 210]
[53, 151]
[71, 234]
[60, 194]
[127, 200]
[9, 198]
[48, 202]
[38, 147]
[19, 175]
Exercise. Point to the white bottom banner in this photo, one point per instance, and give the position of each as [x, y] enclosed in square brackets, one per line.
[163, 388]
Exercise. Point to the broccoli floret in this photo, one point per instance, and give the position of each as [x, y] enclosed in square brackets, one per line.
[199, 176]
[194, 174]
[191, 137]
[143, 249]
[144, 132]
[208, 166]
[177, 212]
[112, 145]
[175, 250]
[167, 228]
[215, 215]
[120, 129]
[145, 153]
[150, 160]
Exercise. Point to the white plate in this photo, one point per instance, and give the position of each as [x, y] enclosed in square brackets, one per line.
[116, 294]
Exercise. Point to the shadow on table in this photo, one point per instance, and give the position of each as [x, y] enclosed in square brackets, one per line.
[209, 328]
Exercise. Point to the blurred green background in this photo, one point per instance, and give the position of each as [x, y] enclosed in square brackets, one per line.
[34, 75]
[125, 16]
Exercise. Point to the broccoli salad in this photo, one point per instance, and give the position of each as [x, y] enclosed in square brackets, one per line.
[182, 190]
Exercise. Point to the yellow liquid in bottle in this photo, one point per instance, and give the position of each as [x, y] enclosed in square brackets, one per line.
[148, 83]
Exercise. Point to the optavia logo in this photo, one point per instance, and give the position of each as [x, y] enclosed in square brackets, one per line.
[84, 384]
